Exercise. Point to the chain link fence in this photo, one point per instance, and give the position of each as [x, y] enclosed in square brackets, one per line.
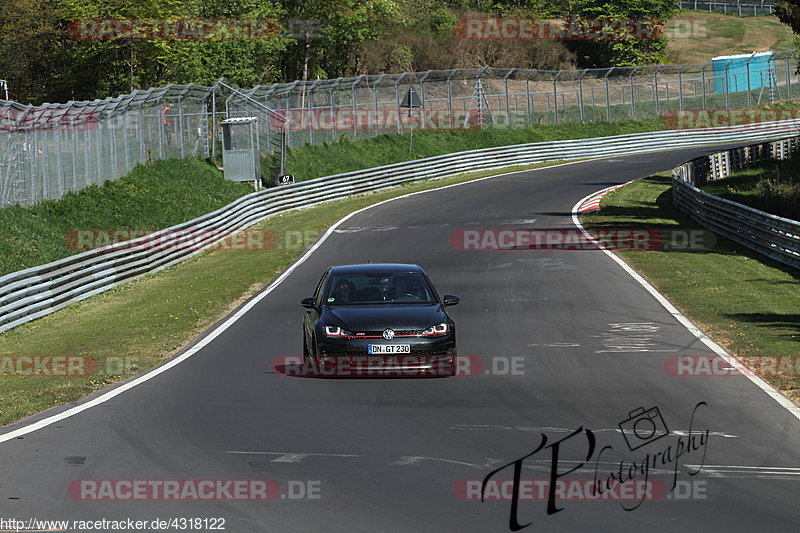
[737, 7]
[321, 111]
[48, 150]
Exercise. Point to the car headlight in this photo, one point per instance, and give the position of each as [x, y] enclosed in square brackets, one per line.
[438, 329]
[336, 331]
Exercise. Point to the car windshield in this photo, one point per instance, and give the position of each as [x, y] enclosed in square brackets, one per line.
[390, 288]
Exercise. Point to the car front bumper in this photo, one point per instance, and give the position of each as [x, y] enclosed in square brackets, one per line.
[427, 356]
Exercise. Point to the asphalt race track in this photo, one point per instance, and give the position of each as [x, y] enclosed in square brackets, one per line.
[587, 345]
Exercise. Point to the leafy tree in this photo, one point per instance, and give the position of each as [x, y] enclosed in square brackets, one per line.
[31, 50]
[622, 47]
[788, 12]
[43, 61]
[344, 26]
[109, 67]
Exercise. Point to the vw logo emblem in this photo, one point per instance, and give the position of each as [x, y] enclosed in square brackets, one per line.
[388, 334]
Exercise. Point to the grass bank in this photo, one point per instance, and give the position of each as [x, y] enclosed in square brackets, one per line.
[153, 196]
[772, 186]
[696, 36]
[747, 303]
[347, 155]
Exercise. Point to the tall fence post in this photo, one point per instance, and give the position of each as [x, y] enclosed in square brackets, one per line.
[213, 121]
[747, 65]
[508, 99]
[655, 89]
[398, 101]
[555, 97]
[580, 94]
[703, 76]
[528, 109]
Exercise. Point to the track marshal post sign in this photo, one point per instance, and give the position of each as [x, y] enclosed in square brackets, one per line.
[410, 101]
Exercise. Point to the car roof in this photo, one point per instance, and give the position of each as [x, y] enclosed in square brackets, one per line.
[376, 268]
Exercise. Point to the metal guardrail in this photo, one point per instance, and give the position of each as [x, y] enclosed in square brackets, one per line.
[38, 291]
[775, 237]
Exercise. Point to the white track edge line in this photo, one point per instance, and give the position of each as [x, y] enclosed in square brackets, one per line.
[688, 324]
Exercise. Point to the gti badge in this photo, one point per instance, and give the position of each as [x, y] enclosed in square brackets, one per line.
[388, 334]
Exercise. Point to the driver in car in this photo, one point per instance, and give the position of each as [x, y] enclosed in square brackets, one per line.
[400, 287]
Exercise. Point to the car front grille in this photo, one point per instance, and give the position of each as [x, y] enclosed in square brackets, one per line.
[397, 332]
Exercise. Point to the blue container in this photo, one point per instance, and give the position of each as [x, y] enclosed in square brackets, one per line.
[761, 71]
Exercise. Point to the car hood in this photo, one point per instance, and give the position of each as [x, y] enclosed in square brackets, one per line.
[379, 317]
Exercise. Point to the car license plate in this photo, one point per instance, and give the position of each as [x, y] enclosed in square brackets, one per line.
[388, 348]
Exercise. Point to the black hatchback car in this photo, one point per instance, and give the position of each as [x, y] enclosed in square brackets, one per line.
[378, 319]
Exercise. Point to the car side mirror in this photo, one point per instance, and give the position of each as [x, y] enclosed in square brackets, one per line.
[309, 303]
[449, 299]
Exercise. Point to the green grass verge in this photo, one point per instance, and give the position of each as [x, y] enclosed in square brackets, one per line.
[136, 326]
[747, 303]
[153, 196]
[347, 155]
[772, 186]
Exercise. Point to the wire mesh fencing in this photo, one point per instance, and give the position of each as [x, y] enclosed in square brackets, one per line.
[48, 150]
[737, 7]
[363, 106]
